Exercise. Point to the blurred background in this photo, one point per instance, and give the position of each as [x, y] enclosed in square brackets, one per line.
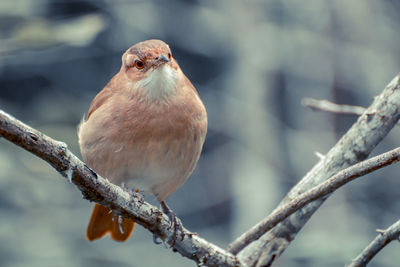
[252, 63]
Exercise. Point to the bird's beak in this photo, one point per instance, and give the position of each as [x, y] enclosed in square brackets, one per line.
[163, 59]
[160, 60]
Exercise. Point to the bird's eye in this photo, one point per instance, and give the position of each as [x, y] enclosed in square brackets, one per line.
[139, 64]
[169, 56]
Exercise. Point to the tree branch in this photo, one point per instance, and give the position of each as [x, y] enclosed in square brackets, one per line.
[383, 238]
[100, 190]
[328, 106]
[371, 127]
[319, 191]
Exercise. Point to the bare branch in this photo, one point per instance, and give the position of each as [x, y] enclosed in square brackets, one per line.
[320, 191]
[328, 106]
[371, 127]
[98, 189]
[382, 239]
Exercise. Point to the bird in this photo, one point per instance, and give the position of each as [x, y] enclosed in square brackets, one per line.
[145, 130]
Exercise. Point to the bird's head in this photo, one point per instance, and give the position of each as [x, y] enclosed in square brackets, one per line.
[149, 66]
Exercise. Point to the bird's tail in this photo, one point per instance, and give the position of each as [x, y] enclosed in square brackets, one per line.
[103, 221]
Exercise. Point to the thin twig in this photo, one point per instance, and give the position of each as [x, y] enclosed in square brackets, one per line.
[328, 106]
[380, 241]
[320, 191]
[325, 105]
[98, 189]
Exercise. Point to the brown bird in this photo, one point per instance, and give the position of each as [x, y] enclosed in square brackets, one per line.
[144, 130]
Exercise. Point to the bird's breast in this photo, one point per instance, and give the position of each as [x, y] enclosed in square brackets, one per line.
[149, 146]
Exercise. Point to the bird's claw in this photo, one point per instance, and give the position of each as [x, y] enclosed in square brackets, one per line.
[175, 223]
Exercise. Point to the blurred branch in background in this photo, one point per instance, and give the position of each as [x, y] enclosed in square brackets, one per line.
[39, 33]
[384, 237]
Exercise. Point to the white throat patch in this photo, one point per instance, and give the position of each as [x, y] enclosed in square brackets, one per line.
[159, 82]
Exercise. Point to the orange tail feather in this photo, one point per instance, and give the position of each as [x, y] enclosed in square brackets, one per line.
[102, 221]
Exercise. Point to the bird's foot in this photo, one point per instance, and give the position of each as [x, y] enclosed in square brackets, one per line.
[175, 223]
